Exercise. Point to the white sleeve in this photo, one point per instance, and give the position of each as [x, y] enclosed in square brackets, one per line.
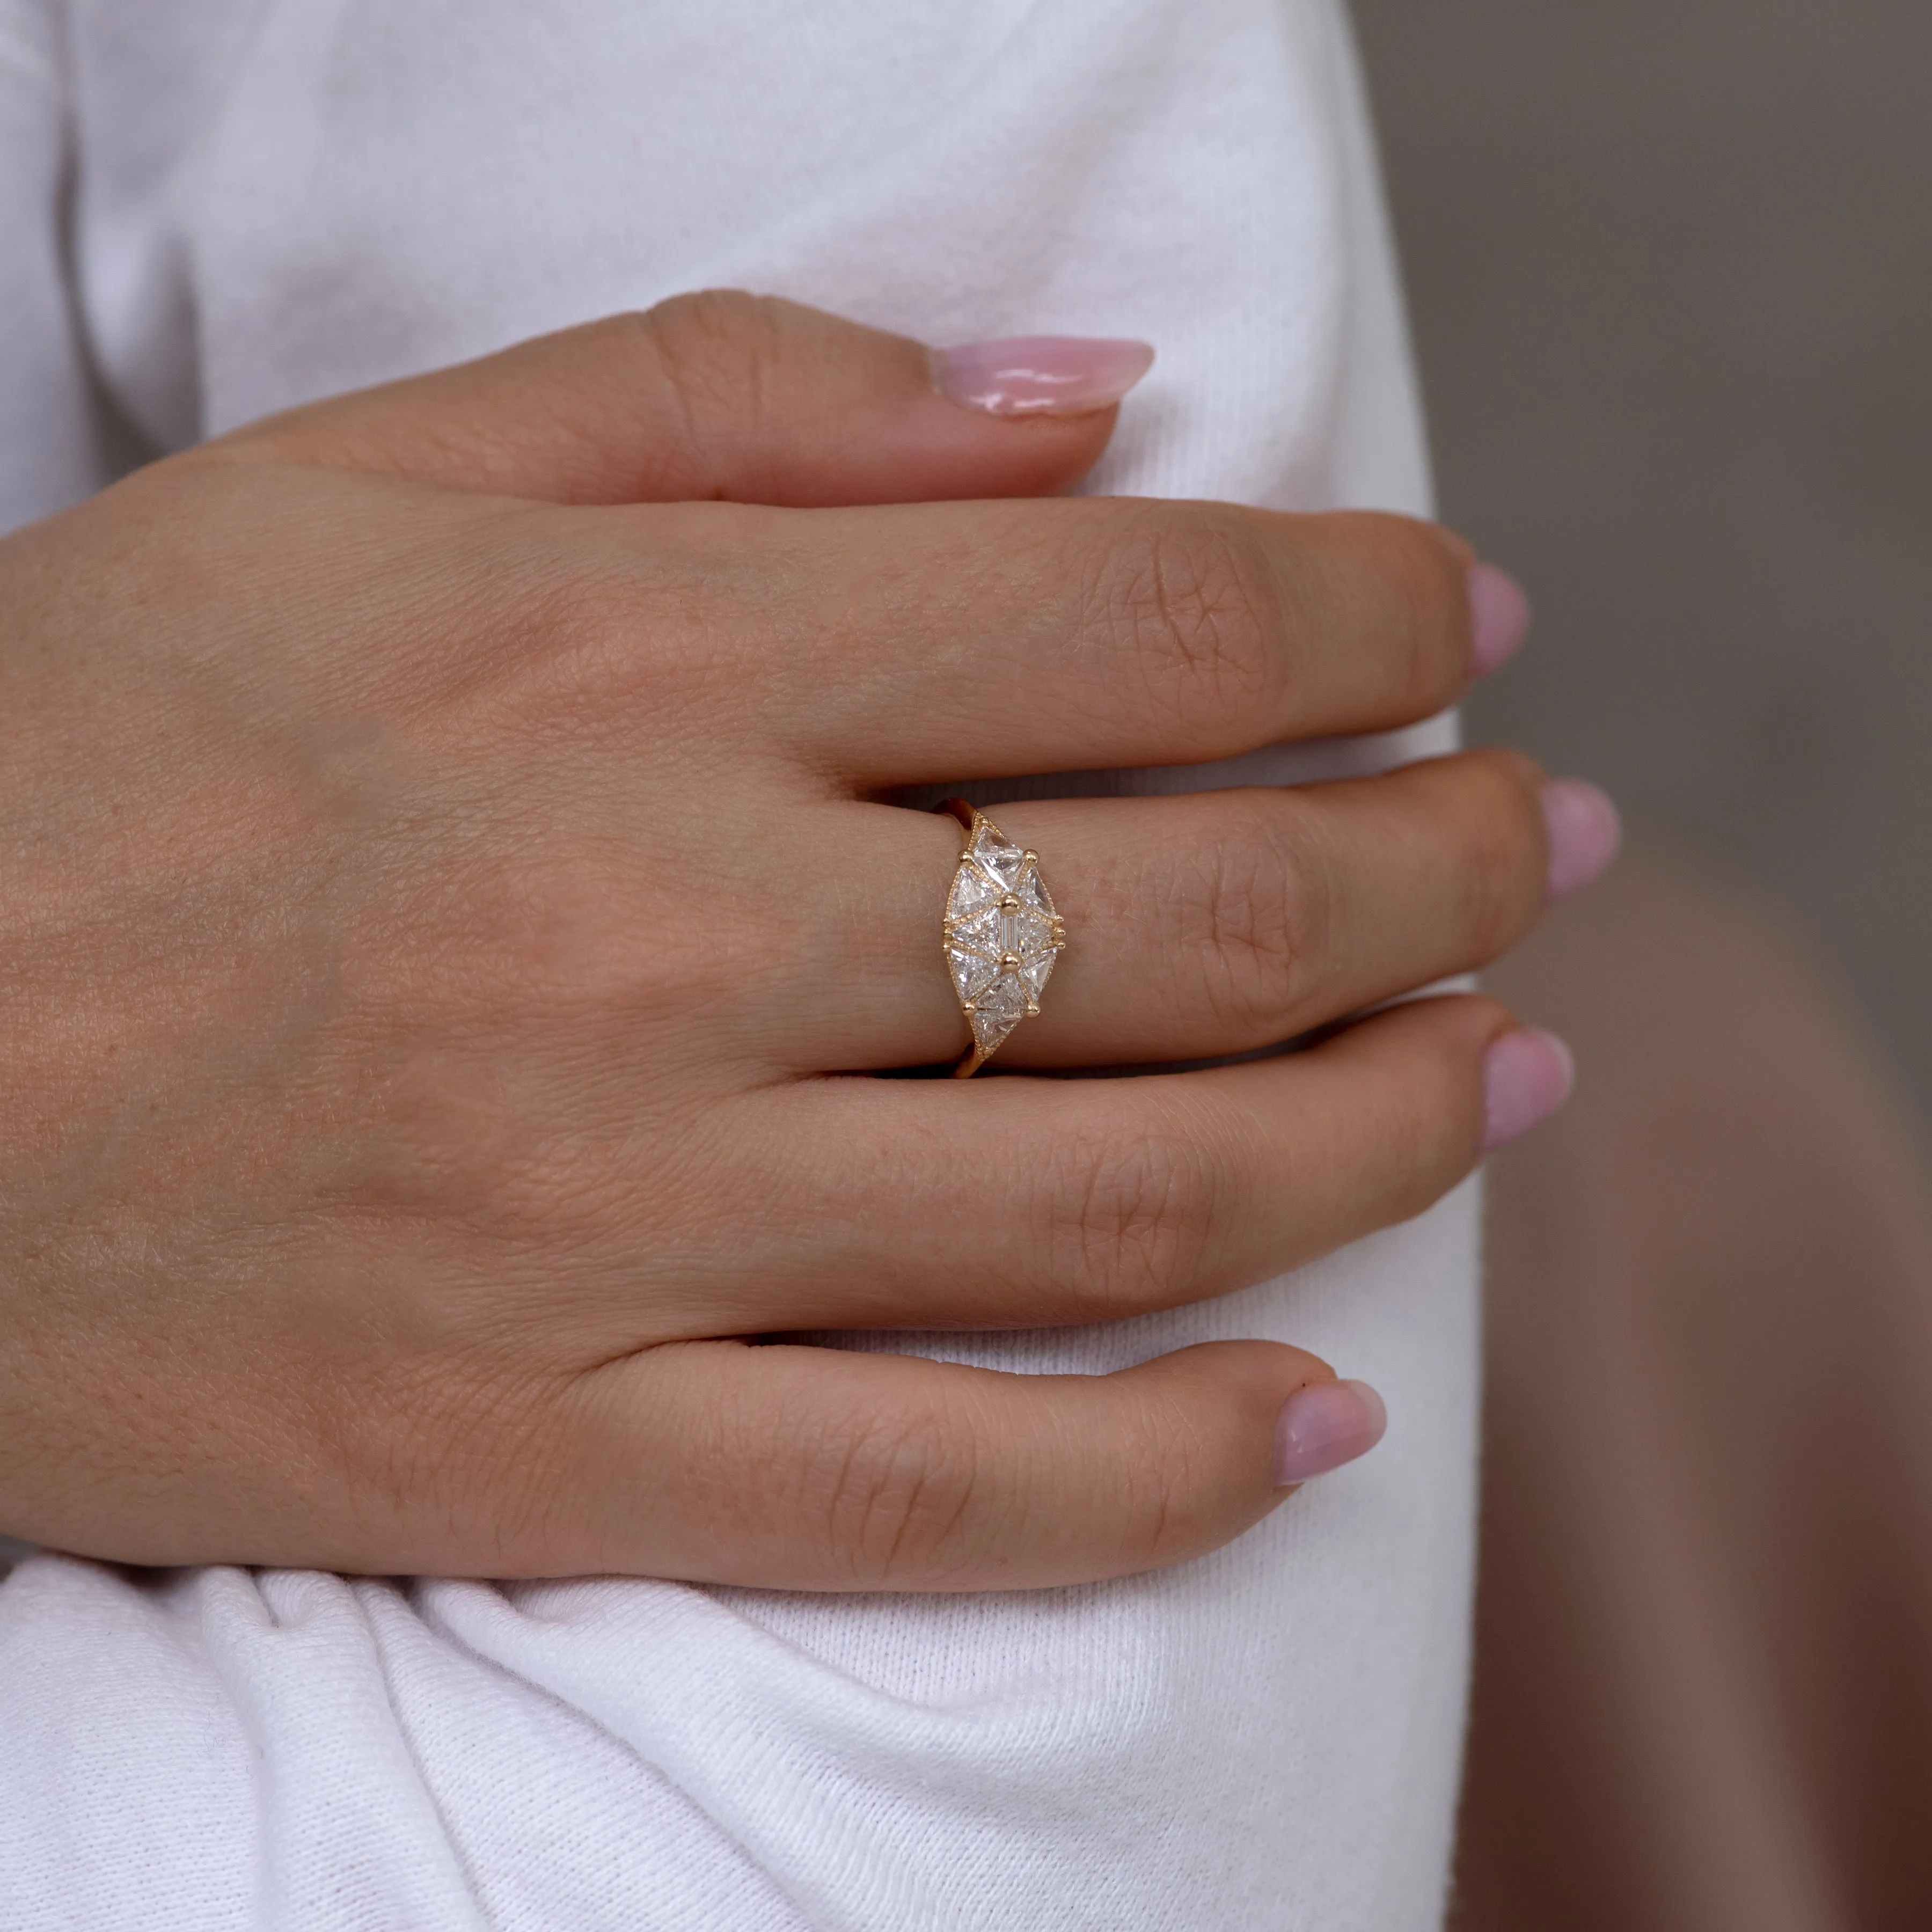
[48, 456]
[1265, 1741]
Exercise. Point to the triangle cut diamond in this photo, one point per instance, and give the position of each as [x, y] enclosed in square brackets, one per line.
[1001, 861]
[1003, 936]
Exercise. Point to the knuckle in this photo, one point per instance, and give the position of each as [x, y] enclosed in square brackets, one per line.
[581, 642]
[1169, 1487]
[458, 1441]
[525, 975]
[1267, 898]
[596, 636]
[717, 348]
[525, 1189]
[1129, 1218]
[450, 1146]
[1187, 596]
[563, 937]
[899, 1493]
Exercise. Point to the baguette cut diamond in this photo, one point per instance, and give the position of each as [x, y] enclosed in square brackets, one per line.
[1002, 935]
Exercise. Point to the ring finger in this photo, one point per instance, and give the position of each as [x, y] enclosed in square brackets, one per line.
[1206, 925]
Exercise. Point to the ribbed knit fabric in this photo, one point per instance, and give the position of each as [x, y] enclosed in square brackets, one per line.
[265, 203]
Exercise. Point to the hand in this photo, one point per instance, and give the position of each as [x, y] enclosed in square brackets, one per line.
[447, 898]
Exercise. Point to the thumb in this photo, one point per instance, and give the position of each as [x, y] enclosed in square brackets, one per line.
[726, 395]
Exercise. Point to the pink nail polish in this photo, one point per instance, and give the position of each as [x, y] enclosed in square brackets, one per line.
[1527, 1075]
[1584, 833]
[1498, 618]
[1040, 375]
[1324, 1425]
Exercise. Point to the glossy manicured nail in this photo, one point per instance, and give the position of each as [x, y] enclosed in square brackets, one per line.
[1498, 618]
[1324, 1425]
[1040, 375]
[1583, 831]
[1527, 1075]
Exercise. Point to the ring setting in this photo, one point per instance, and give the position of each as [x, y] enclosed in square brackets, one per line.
[1001, 932]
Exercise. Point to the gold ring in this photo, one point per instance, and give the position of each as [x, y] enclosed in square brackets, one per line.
[1001, 933]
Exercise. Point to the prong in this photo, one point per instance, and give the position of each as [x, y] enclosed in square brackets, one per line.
[1033, 1009]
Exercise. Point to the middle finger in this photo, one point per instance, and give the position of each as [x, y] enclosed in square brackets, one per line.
[926, 641]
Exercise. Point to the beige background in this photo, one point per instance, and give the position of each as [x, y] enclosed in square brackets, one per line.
[1670, 262]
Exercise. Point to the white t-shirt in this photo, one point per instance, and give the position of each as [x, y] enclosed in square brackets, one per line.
[211, 208]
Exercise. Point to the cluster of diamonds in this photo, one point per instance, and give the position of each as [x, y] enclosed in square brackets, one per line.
[1002, 934]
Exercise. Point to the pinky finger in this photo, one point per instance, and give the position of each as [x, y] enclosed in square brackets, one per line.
[788, 1467]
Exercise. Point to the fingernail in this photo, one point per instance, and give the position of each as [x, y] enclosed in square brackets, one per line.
[1040, 375]
[1527, 1075]
[1583, 832]
[1324, 1425]
[1498, 618]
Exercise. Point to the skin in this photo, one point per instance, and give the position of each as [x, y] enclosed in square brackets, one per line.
[449, 900]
